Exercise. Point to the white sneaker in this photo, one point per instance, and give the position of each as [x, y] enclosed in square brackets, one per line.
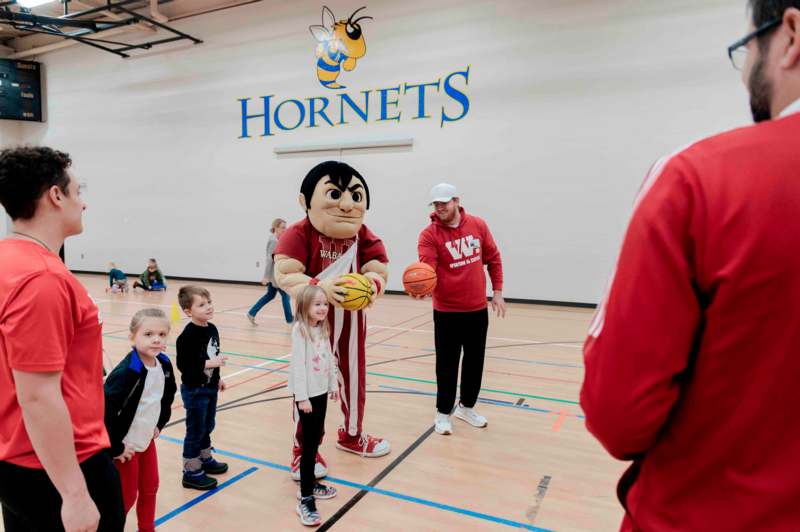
[470, 416]
[442, 424]
[252, 319]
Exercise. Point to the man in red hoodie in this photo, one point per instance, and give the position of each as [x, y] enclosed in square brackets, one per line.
[692, 359]
[458, 245]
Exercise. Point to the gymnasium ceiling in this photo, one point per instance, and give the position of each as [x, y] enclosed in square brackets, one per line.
[120, 27]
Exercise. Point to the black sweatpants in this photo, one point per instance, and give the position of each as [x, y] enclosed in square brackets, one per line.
[31, 502]
[311, 425]
[454, 331]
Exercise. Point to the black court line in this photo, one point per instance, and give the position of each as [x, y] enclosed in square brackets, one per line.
[533, 344]
[372, 483]
[223, 405]
[541, 491]
[400, 359]
[231, 407]
[244, 398]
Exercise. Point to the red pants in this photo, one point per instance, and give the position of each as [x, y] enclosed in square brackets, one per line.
[139, 479]
[350, 355]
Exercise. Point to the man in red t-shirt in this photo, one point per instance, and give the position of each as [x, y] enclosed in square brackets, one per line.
[329, 242]
[458, 246]
[55, 471]
[692, 358]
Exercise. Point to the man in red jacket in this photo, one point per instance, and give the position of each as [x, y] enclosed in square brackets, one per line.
[458, 245]
[692, 359]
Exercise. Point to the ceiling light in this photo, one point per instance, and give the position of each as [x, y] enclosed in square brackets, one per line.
[33, 3]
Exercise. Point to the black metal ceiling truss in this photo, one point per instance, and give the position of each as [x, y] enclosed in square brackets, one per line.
[80, 27]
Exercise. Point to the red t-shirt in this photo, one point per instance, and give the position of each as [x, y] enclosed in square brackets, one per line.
[48, 323]
[692, 359]
[458, 254]
[316, 251]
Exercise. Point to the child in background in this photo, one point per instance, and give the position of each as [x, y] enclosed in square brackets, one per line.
[199, 361]
[117, 281]
[139, 394]
[152, 278]
[312, 378]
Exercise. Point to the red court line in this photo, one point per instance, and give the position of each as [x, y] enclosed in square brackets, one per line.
[400, 323]
[398, 334]
[264, 374]
[562, 415]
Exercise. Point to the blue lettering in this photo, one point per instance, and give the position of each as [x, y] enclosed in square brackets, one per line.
[457, 95]
[312, 111]
[246, 117]
[344, 97]
[421, 96]
[300, 108]
[385, 103]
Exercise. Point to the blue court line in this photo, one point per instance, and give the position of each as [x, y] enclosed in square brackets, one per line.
[356, 485]
[164, 518]
[494, 402]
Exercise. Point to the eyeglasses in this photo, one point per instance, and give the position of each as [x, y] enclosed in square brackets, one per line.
[737, 52]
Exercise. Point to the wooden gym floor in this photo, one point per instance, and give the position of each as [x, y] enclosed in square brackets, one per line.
[534, 467]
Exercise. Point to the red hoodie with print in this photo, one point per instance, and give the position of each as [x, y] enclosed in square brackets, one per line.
[458, 255]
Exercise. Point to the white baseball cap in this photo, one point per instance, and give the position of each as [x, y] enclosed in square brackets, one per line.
[443, 192]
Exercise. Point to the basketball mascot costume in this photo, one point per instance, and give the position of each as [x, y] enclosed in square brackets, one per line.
[331, 242]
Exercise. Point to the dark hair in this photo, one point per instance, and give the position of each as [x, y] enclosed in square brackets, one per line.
[186, 295]
[763, 11]
[340, 173]
[26, 173]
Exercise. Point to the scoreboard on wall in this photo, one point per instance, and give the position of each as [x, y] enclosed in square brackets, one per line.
[20, 90]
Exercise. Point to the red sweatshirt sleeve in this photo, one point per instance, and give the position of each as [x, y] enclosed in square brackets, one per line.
[491, 257]
[644, 331]
[426, 248]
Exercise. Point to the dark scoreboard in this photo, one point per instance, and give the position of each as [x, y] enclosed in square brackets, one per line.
[20, 90]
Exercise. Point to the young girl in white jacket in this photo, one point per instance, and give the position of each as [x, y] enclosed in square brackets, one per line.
[312, 380]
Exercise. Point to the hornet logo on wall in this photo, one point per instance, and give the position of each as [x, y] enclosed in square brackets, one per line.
[340, 45]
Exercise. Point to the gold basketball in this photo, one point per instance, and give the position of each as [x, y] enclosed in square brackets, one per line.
[359, 290]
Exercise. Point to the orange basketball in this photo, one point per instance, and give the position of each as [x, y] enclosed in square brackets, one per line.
[419, 279]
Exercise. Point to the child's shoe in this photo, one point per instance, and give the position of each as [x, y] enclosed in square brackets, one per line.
[198, 480]
[321, 492]
[307, 510]
[212, 467]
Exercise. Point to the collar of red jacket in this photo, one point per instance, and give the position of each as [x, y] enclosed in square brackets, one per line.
[435, 219]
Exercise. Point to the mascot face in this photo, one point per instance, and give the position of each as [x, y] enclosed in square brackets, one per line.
[337, 209]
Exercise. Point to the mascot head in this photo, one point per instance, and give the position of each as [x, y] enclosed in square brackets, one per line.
[335, 198]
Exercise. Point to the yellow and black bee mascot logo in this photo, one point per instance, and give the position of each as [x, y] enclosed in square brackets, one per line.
[340, 45]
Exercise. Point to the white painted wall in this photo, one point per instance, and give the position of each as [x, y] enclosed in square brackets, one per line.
[570, 104]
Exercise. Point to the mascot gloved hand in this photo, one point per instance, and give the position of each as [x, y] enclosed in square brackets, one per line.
[329, 243]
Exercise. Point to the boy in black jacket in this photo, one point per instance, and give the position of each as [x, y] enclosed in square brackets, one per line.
[199, 361]
[138, 397]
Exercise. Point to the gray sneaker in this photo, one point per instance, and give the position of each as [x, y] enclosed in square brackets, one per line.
[252, 319]
[470, 416]
[307, 510]
[442, 424]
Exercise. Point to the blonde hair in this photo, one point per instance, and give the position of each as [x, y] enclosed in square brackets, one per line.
[140, 316]
[304, 299]
[276, 223]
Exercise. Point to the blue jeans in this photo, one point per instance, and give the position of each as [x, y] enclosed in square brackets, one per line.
[201, 415]
[269, 296]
